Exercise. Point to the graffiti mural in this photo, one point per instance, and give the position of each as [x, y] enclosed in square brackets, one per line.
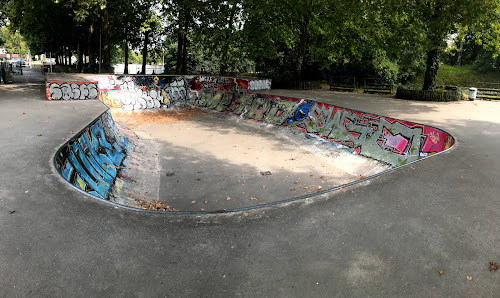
[146, 92]
[392, 141]
[71, 90]
[92, 159]
[256, 85]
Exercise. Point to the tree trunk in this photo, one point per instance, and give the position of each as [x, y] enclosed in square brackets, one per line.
[430, 79]
[68, 54]
[125, 48]
[304, 39]
[460, 51]
[225, 48]
[79, 63]
[182, 40]
[106, 48]
[64, 56]
[145, 51]
[91, 55]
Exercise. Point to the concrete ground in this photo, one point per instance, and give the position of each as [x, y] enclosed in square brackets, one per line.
[209, 161]
[387, 238]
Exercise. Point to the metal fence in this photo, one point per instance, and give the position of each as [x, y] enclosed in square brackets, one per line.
[5, 69]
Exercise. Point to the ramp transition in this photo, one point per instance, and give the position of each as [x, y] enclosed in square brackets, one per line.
[93, 158]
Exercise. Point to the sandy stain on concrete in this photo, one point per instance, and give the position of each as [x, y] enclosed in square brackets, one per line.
[206, 161]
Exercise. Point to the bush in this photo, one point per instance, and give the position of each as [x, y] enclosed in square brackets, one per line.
[446, 93]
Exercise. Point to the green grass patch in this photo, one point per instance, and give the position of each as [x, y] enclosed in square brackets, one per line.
[462, 76]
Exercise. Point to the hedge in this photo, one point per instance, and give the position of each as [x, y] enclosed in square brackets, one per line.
[445, 95]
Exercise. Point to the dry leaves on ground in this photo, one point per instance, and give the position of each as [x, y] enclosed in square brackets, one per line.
[160, 116]
[493, 266]
[153, 205]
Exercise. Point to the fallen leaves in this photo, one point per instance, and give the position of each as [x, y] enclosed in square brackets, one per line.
[39, 135]
[192, 202]
[263, 186]
[228, 198]
[469, 277]
[493, 266]
[343, 189]
[246, 213]
[360, 177]
[253, 198]
[441, 272]
[12, 211]
[266, 173]
[161, 116]
[153, 205]
[206, 202]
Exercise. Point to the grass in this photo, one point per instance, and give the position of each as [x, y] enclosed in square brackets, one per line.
[462, 76]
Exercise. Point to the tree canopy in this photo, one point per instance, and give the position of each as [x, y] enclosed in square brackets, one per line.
[284, 39]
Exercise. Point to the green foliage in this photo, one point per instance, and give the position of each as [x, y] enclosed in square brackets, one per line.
[283, 39]
[118, 56]
[463, 76]
[12, 40]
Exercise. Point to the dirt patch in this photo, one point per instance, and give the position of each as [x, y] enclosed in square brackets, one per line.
[153, 205]
[138, 118]
[205, 160]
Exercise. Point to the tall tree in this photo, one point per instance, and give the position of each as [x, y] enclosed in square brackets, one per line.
[443, 18]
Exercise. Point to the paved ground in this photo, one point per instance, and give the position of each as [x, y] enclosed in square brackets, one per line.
[387, 238]
[210, 161]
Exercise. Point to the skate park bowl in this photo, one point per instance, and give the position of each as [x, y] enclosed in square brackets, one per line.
[205, 144]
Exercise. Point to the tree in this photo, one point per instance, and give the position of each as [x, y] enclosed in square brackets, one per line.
[13, 41]
[151, 25]
[442, 18]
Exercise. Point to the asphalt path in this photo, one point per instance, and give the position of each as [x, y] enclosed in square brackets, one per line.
[388, 237]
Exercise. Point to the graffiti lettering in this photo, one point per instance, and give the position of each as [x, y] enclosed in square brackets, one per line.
[91, 159]
[255, 85]
[71, 91]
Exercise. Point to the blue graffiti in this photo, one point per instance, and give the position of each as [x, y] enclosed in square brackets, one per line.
[301, 113]
[91, 160]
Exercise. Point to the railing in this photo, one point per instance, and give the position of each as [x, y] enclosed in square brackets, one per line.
[296, 85]
[377, 86]
[5, 69]
[342, 83]
[487, 90]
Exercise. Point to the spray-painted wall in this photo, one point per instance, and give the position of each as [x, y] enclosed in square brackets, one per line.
[90, 161]
[71, 90]
[147, 92]
[395, 142]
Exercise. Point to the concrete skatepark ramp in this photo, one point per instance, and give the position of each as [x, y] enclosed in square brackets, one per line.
[95, 157]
